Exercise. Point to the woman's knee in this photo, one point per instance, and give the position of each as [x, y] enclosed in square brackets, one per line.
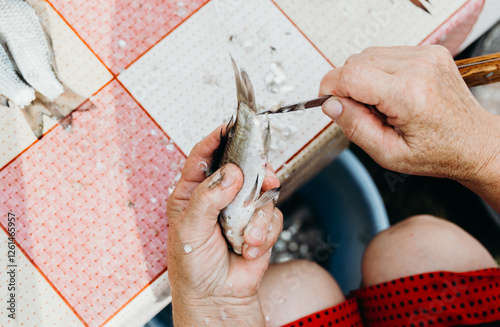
[422, 244]
[295, 289]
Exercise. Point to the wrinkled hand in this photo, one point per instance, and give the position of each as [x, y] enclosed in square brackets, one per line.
[439, 129]
[209, 283]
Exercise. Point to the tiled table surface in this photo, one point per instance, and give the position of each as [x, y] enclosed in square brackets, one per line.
[90, 201]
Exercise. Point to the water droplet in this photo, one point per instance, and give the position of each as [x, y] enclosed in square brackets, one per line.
[122, 44]
[99, 165]
[153, 132]
[282, 300]
[267, 318]
[229, 232]
[203, 166]
[207, 320]
[153, 200]
[127, 171]
[187, 248]
[286, 132]
[261, 214]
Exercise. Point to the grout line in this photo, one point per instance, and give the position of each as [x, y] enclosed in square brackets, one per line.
[133, 297]
[45, 277]
[150, 117]
[38, 140]
[81, 39]
[163, 37]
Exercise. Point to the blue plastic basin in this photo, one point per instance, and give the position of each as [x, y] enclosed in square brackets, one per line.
[350, 208]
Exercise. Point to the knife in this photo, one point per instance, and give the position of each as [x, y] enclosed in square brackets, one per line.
[475, 71]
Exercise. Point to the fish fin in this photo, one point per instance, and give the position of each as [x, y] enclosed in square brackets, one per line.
[271, 195]
[244, 89]
[267, 138]
[219, 152]
[33, 114]
[254, 194]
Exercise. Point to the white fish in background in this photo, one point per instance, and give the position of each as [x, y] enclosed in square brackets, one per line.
[246, 144]
[29, 49]
[29, 46]
[11, 86]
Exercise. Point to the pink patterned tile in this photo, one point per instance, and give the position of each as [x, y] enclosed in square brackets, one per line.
[91, 203]
[119, 31]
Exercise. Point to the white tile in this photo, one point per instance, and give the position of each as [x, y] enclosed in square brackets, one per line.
[186, 81]
[343, 27]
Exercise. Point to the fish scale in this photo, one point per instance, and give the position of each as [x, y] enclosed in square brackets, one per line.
[28, 44]
[11, 85]
[246, 144]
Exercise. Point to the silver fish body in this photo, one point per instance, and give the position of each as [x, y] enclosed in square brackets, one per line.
[11, 86]
[246, 144]
[21, 30]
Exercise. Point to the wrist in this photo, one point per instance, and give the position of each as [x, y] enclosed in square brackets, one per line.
[216, 311]
[484, 178]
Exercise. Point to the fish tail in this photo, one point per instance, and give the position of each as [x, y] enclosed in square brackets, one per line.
[244, 89]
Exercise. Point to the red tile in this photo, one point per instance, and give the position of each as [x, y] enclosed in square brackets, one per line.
[91, 203]
[119, 31]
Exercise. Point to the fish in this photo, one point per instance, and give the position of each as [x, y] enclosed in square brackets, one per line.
[28, 73]
[11, 85]
[245, 143]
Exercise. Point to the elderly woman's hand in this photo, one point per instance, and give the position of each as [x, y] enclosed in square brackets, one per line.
[209, 283]
[438, 128]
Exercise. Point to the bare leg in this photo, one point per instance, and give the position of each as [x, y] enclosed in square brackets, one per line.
[292, 290]
[422, 244]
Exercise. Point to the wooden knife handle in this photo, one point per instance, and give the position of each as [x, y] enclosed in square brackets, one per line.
[480, 70]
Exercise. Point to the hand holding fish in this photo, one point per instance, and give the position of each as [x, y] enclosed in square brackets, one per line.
[435, 127]
[209, 282]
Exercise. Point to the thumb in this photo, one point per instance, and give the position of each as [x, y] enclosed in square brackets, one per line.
[360, 125]
[210, 197]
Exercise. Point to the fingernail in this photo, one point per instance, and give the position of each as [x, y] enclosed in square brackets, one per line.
[256, 232]
[253, 251]
[229, 177]
[332, 108]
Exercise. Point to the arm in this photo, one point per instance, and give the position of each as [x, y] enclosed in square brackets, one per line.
[437, 128]
[210, 284]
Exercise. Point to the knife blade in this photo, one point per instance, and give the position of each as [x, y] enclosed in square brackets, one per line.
[313, 103]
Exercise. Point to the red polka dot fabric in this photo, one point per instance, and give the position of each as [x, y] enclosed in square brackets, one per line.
[431, 299]
[344, 314]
